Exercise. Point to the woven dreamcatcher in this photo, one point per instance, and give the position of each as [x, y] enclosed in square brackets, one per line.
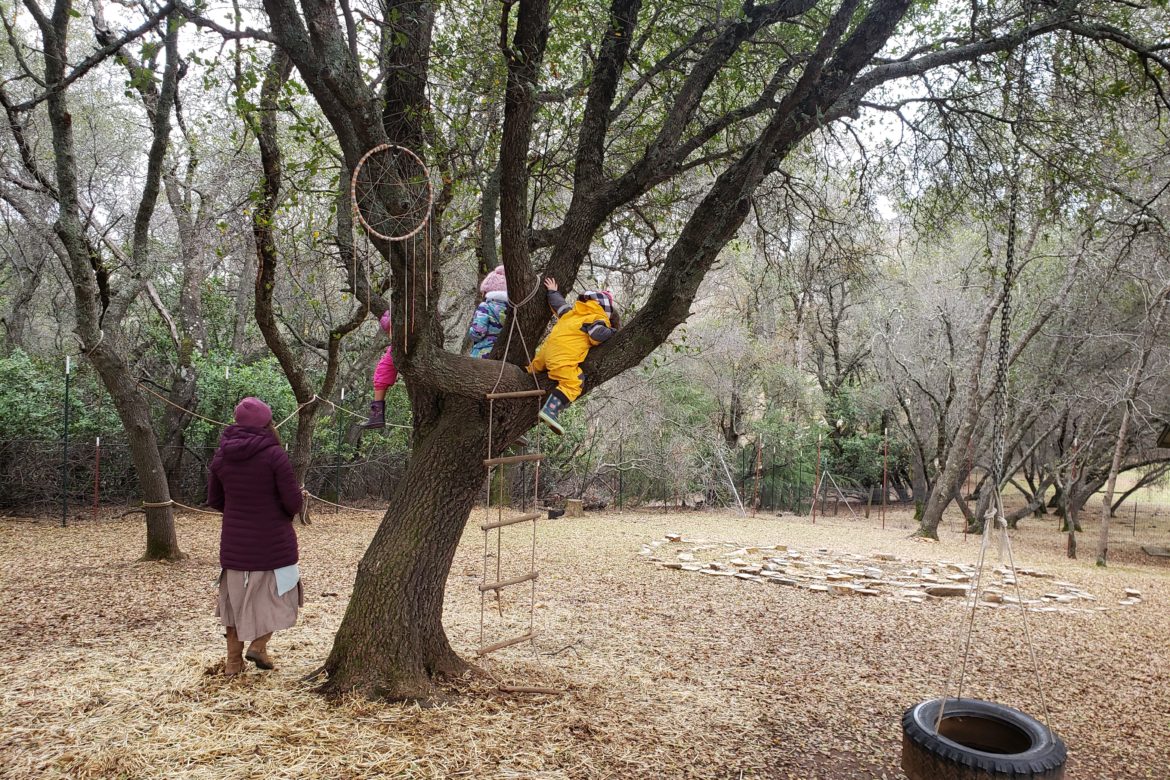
[392, 198]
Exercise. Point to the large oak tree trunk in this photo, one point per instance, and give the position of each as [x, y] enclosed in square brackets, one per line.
[391, 642]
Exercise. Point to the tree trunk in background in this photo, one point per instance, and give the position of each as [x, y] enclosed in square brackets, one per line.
[17, 319]
[954, 469]
[247, 282]
[1150, 330]
[133, 410]
[918, 483]
[1111, 483]
[174, 425]
[99, 310]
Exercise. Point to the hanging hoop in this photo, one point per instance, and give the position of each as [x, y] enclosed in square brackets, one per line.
[392, 192]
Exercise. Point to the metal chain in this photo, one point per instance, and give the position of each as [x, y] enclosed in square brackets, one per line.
[999, 420]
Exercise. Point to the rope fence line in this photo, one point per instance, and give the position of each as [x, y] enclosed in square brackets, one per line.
[172, 502]
[343, 410]
[169, 402]
[343, 506]
[295, 412]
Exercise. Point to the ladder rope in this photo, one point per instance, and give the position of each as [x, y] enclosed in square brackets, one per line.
[492, 463]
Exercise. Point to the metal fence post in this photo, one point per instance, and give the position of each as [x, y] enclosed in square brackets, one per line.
[65, 450]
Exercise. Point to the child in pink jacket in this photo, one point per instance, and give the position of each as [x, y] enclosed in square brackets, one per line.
[385, 375]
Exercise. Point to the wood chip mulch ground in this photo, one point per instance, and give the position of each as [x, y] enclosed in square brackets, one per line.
[108, 668]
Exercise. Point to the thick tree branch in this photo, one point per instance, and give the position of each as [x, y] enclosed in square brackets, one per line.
[109, 47]
[524, 57]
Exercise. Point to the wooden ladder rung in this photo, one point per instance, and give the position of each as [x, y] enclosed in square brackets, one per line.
[510, 521]
[515, 394]
[505, 583]
[505, 643]
[489, 462]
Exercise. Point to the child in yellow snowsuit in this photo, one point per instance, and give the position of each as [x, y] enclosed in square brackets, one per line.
[584, 324]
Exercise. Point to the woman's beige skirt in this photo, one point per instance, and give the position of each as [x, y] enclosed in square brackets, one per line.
[248, 601]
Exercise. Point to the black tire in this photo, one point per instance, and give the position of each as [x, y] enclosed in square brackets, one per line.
[979, 740]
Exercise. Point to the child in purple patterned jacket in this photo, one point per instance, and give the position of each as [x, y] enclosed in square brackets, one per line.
[490, 315]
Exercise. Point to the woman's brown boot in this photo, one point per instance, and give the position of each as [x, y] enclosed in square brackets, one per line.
[235, 653]
[256, 652]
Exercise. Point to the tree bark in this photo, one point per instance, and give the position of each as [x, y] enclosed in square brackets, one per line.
[391, 642]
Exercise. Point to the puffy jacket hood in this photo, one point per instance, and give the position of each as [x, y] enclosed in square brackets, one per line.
[604, 299]
[238, 442]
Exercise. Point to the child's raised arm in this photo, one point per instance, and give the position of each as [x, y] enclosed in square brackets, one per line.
[556, 301]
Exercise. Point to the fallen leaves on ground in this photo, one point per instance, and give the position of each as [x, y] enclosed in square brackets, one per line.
[109, 668]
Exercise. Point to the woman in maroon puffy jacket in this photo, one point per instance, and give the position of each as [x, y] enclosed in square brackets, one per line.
[251, 481]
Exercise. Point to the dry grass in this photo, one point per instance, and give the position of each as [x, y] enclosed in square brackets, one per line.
[108, 666]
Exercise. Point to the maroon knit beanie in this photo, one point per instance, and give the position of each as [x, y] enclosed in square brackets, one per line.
[253, 413]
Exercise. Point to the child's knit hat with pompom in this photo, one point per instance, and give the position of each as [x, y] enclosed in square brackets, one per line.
[494, 282]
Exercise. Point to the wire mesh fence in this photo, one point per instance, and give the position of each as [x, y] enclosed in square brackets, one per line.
[42, 475]
[39, 476]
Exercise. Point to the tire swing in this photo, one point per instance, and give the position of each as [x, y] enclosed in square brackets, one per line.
[970, 739]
